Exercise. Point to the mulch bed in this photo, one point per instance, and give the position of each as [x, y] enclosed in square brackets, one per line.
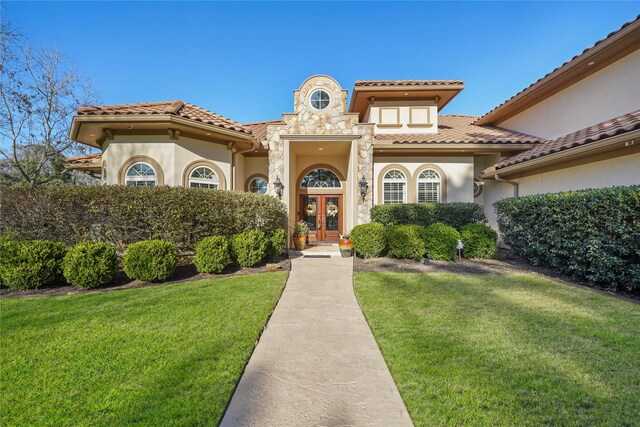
[184, 273]
[504, 263]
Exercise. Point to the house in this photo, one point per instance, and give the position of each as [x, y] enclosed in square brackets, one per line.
[332, 158]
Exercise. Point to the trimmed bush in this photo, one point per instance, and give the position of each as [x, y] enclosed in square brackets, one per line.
[90, 264]
[249, 248]
[592, 235]
[406, 241]
[480, 241]
[30, 264]
[213, 254]
[369, 240]
[441, 241]
[123, 215]
[150, 260]
[455, 214]
[277, 243]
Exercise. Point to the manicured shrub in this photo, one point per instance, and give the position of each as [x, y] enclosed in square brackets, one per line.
[150, 260]
[592, 235]
[406, 241]
[213, 254]
[369, 240]
[124, 215]
[455, 214]
[480, 241]
[249, 247]
[90, 264]
[30, 264]
[277, 243]
[441, 241]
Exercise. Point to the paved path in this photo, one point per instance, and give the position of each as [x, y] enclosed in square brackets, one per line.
[317, 363]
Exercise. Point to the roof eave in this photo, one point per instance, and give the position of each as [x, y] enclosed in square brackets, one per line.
[592, 148]
[604, 53]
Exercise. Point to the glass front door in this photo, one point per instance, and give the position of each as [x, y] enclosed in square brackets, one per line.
[323, 215]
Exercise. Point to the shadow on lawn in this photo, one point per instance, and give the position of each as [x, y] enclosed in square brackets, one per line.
[490, 353]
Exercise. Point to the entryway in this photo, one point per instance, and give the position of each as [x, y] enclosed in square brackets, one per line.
[323, 214]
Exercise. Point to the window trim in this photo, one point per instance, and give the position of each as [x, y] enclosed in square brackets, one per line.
[427, 124]
[142, 178]
[420, 180]
[186, 174]
[247, 183]
[405, 181]
[320, 89]
[443, 179]
[397, 124]
[122, 173]
[380, 183]
[216, 182]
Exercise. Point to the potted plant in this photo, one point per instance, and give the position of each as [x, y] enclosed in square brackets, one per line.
[300, 231]
[345, 245]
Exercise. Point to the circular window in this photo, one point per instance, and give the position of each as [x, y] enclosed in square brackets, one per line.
[477, 188]
[320, 99]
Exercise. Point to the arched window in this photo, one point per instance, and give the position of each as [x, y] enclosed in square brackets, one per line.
[141, 175]
[320, 178]
[203, 177]
[429, 184]
[394, 187]
[258, 185]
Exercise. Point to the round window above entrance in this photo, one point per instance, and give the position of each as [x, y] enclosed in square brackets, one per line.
[320, 178]
[320, 99]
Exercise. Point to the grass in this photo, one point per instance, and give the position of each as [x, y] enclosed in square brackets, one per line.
[162, 355]
[505, 350]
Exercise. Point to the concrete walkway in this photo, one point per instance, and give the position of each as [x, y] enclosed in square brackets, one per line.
[317, 363]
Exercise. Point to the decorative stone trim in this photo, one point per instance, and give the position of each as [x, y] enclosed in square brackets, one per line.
[140, 159]
[222, 182]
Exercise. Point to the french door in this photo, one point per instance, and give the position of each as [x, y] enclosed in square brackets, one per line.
[323, 215]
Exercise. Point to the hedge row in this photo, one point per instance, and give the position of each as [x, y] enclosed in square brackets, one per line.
[437, 241]
[589, 234]
[36, 263]
[455, 214]
[123, 215]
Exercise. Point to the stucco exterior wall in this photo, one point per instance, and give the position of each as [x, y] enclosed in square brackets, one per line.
[255, 166]
[172, 156]
[608, 93]
[408, 113]
[623, 170]
[458, 171]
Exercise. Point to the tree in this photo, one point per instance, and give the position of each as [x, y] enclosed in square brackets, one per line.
[40, 92]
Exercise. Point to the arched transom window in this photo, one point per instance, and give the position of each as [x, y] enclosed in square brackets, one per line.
[429, 184]
[203, 177]
[394, 187]
[258, 185]
[141, 174]
[320, 178]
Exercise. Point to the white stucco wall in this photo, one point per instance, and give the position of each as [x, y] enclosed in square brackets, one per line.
[608, 93]
[423, 111]
[458, 170]
[606, 173]
[172, 156]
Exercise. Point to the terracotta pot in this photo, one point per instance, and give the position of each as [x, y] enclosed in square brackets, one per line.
[346, 247]
[299, 241]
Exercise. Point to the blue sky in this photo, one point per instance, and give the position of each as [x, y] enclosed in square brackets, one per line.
[244, 59]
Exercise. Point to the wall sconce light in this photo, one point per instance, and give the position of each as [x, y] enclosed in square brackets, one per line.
[364, 186]
[278, 186]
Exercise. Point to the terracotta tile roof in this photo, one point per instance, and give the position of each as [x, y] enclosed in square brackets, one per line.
[617, 126]
[259, 129]
[85, 160]
[458, 129]
[408, 82]
[175, 108]
[535, 84]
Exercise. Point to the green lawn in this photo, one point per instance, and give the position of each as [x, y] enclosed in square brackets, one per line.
[505, 350]
[161, 355]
